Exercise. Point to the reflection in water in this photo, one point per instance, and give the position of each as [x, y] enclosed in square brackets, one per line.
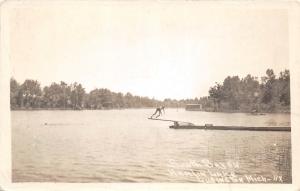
[123, 146]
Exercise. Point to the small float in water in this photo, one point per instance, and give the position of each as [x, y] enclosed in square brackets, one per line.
[188, 125]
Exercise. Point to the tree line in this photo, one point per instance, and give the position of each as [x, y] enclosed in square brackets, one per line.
[269, 94]
[30, 95]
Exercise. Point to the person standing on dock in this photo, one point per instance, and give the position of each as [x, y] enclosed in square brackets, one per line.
[158, 110]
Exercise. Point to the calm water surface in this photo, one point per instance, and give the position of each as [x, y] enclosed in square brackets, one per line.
[124, 146]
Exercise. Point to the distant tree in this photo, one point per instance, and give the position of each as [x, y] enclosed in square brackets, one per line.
[66, 94]
[31, 93]
[284, 87]
[267, 86]
[250, 92]
[54, 95]
[77, 95]
[15, 95]
[120, 100]
[128, 100]
[232, 91]
[217, 94]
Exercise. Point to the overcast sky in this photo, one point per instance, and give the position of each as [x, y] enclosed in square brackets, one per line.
[161, 50]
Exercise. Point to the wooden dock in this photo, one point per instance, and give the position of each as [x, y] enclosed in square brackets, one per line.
[170, 120]
[236, 128]
[188, 125]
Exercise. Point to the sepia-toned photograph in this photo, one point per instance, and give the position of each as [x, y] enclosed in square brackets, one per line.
[157, 92]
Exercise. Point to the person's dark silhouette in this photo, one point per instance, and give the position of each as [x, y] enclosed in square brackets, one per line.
[158, 111]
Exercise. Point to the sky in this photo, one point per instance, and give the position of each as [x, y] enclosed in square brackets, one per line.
[159, 50]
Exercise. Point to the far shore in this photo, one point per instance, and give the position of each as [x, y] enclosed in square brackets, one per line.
[106, 109]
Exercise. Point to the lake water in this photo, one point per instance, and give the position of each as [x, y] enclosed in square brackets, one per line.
[124, 146]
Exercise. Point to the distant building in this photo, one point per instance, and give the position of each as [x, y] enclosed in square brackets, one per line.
[107, 105]
[193, 107]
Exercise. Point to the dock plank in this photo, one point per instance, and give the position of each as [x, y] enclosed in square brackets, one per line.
[237, 128]
[189, 125]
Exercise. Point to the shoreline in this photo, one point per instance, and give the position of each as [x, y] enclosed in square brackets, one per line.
[228, 111]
